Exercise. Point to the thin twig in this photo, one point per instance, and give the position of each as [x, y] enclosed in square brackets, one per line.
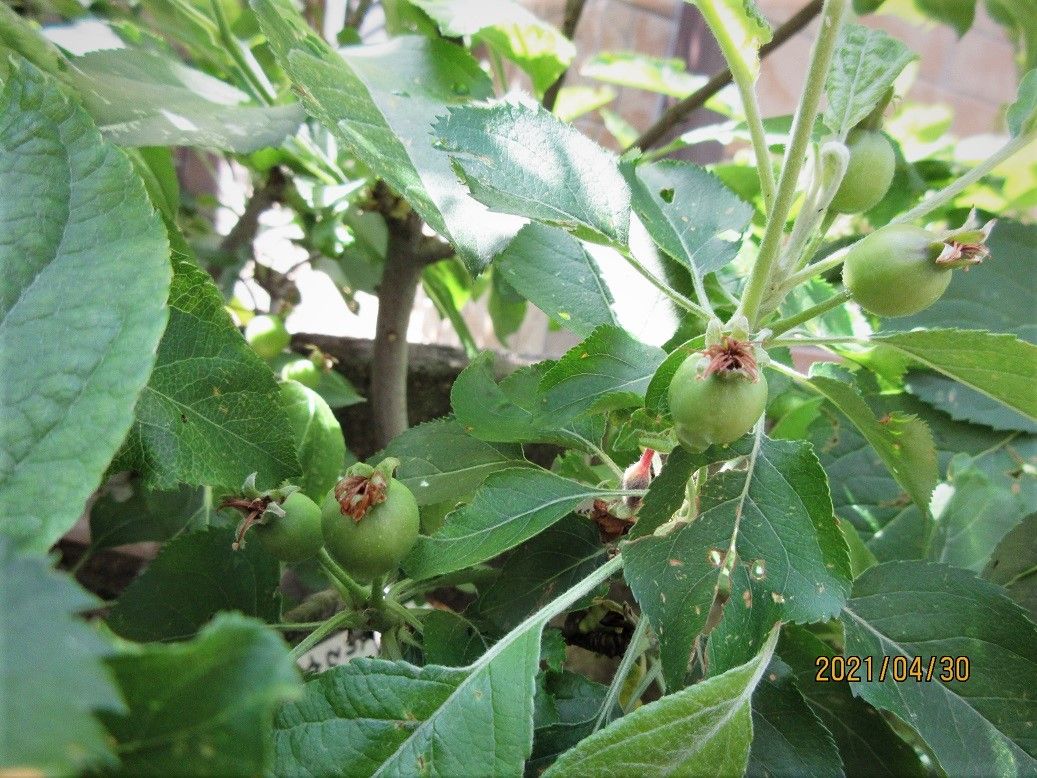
[675, 115]
[573, 11]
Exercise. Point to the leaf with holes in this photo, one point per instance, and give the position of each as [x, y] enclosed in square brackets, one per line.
[787, 537]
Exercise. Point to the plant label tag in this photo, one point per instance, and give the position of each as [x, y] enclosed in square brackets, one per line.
[339, 649]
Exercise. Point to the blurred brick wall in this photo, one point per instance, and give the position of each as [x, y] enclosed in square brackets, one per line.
[975, 75]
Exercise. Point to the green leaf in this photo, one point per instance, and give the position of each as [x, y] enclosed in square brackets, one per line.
[193, 578]
[974, 510]
[740, 30]
[553, 270]
[575, 101]
[439, 462]
[318, 439]
[867, 744]
[865, 493]
[553, 561]
[211, 413]
[337, 391]
[787, 535]
[52, 675]
[141, 98]
[127, 512]
[640, 71]
[689, 212]
[997, 295]
[1012, 564]
[865, 65]
[506, 307]
[517, 158]
[959, 14]
[76, 348]
[372, 717]
[1000, 366]
[510, 411]
[379, 101]
[903, 443]
[575, 702]
[963, 403]
[920, 610]
[510, 30]
[1022, 114]
[450, 639]
[608, 370]
[203, 707]
[788, 739]
[510, 507]
[704, 729]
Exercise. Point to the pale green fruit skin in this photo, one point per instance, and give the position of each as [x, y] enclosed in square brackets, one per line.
[267, 335]
[376, 544]
[868, 174]
[295, 536]
[717, 409]
[893, 271]
[303, 371]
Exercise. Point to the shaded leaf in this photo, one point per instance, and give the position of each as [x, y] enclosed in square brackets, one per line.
[537, 570]
[788, 739]
[75, 347]
[920, 610]
[127, 512]
[1012, 564]
[510, 507]
[203, 707]
[867, 744]
[705, 728]
[193, 578]
[52, 675]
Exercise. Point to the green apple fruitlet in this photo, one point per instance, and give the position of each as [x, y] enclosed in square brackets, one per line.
[302, 370]
[717, 398]
[868, 174]
[901, 269]
[267, 335]
[370, 521]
